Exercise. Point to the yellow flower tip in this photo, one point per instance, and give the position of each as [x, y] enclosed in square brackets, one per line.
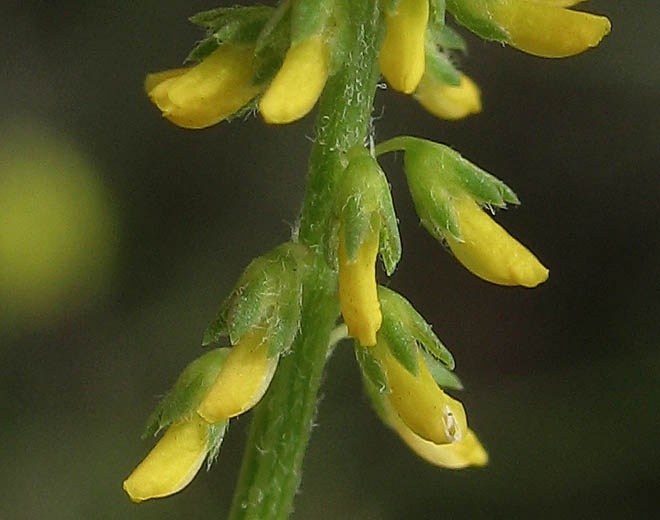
[421, 404]
[358, 291]
[172, 463]
[242, 381]
[203, 95]
[447, 101]
[489, 252]
[456, 455]
[547, 29]
[402, 56]
[299, 82]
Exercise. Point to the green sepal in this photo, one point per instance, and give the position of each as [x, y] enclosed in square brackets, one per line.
[371, 368]
[449, 39]
[436, 14]
[188, 391]
[390, 240]
[399, 341]
[239, 25]
[307, 19]
[272, 44]
[440, 373]
[403, 319]
[475, 15]
[391, 6]
[439, 66]
[215, 437]
[284, 322]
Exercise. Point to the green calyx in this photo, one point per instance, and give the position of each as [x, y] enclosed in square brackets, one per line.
[475, 15]
[268, 294]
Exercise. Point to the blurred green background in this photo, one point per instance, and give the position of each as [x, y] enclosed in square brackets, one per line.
[121, 233]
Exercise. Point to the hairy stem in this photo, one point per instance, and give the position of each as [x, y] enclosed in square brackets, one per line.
[282, 422]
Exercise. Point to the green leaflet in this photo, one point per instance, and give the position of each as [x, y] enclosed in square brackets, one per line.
[188, 391]
[474, 15]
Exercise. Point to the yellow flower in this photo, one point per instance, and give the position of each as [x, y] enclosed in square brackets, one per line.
[207, 93]
[420, 403]
[358, 292]
[459, 454]
[448, 101]
[546, 28]
[242, 381]
[488, 251]
[402, 56]
[299, 82]
[172, 463]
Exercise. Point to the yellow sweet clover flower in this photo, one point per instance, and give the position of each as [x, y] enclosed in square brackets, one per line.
[243, 379]
[172, 463]
[462, 453]
[358, 291]
[205, 94]
[402, 55]
[299, 82]
[488, 251]
[449, 101]
[420, 403]
[546, 28]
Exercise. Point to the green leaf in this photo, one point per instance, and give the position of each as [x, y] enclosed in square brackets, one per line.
[441, 374]
[188, 391]
[371, 368]
[474, 15]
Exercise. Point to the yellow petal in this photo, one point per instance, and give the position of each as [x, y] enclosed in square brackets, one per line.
[242, 381]
[458, 454]
[547, 30]
[447, 101]
[358, 291]
[299, 82]
[172, 463]
[207, 93]
[420, 403]
[490, 252]
[402, 56]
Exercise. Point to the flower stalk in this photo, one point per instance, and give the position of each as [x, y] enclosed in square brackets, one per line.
[271, 469]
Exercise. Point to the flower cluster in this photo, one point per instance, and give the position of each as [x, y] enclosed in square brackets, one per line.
[278, 60]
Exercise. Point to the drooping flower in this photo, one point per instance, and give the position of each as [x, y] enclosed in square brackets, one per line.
[448, 101]
[205, 94]
[299, 82]
[402, 55]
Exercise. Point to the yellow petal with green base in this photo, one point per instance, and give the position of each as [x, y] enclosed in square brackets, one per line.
[242, 381]
[448, 101]
[203, 95]
[420, 403]
[458, 454]
[172, 463]
[488, 251]
[358, 291]
[299, 82]
[402, 56]
[545, 29]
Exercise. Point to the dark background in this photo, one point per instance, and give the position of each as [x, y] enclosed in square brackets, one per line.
[561, 381]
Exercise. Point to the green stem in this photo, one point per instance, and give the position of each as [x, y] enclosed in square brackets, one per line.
[282, 422]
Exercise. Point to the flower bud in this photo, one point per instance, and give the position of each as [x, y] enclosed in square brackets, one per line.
[358, 294]
[207, 93]
[299, 82]
[488, 251]
[402, 54]
[449, 101]
[243, 380]
[172, 463]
